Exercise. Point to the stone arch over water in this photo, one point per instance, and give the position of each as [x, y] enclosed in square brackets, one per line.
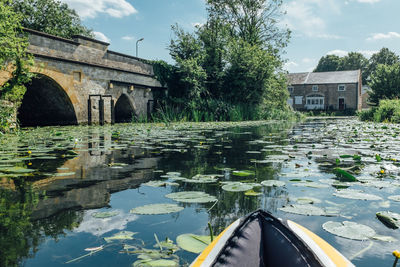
[46, 103]
[124, 109]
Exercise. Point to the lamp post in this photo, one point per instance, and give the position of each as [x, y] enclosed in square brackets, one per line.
[137, 42]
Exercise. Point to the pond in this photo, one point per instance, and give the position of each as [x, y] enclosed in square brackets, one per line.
[79, 195]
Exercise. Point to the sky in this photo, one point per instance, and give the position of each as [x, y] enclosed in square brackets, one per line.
[319, 27]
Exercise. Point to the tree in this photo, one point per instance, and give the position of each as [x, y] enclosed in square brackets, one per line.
[385, 57]
[14, 60]
[328, 63]
[254, 21]
[50, 16]
[385, 83]
[355, 61]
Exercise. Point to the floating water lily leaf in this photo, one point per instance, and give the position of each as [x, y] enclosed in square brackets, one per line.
[252, 193]
[384, 238]
[193, 243]
[167, 244]
[17, 170]
[155, 263]
[350, 230]
[274, 183]
[154, 209]
[159, 183]
[355, 194]
[344, 176]
[192, 197]
[243, 173]
[306, 209]
[236, 187]
[390, 219]
[395, 198]
[123, 235]
[311, 184]
[105, 214]
[173, 173]
[203, 178]
[307, 200]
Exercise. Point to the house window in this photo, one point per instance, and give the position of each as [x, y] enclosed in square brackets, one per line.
[298, 100]
[315, 102]
[315, 88]
[290, 89]
[341, 87]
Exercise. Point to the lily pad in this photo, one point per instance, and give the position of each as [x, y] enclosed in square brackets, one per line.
[274, 183]
[395, 198]
[355, 194]
[305, 209]
[236, 187]
[159, 183]
[350, 230]
[203, 178]
[390, 219]
[344, 176]
[155, 263]
[18, 170]
[252, 193]
[123, 235]
[192, 197]
[243, 173]
[193, 243]
[105, 214]
[154, 209]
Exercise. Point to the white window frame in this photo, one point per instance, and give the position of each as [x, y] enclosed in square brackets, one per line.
[290, 89]
[298, 100]
[341, 86]
[315, 88]
[315, 102]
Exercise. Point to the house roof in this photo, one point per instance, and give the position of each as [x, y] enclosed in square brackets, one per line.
[329, 77]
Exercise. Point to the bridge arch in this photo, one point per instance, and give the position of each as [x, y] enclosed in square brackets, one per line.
[124, 109]
[46, 103]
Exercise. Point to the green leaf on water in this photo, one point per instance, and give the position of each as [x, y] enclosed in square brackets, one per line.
[17, 170]
[193, 243]
[243, 173]
[123, 235]
[236, 186]
[388, 218]
[343, 175]
[155, 263]
[159, 183]
[274, 183]
[350, 230]
[192, 197]
[154, 209]
[355, 194]
[252, 193]
[395, 198]
[105, 214]
[306, 209]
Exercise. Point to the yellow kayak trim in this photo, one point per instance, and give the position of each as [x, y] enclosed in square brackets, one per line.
[336, 257]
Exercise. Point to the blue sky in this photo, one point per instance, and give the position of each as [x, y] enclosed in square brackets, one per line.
[319, 27]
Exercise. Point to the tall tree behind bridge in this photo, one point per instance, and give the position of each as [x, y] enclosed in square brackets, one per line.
[50, 16]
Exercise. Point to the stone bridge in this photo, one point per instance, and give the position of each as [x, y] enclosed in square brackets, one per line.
[80, 81]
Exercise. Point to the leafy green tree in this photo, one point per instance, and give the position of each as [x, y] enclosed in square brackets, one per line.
[50, 16]
[385, 57]
[188, 54]
[14, 60]
[251, 75]
[328, 63]
[254, 21]
[385, 83]
[355, 61]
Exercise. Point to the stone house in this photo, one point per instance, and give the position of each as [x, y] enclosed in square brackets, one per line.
[333, 90]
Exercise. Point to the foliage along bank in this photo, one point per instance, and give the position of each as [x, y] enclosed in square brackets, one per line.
[229, 68]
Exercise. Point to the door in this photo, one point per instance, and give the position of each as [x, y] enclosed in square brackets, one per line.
[341, 104]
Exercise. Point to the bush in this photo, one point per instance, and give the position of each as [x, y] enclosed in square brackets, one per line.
[387, 111]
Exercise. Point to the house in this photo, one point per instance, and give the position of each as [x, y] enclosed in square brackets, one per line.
[333, 90]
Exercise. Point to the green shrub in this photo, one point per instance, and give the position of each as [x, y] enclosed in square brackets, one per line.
[387, 111]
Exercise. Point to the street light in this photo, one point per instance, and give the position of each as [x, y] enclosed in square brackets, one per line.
[137, 42]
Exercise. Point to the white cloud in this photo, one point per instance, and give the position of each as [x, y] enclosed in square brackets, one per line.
[368, 53]
[308, 60]
[380, 36]
[100, 36]
[92, 8]
[290, 66]
[338, 52]
[305, 16]
[128, 38]
[368, 1]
